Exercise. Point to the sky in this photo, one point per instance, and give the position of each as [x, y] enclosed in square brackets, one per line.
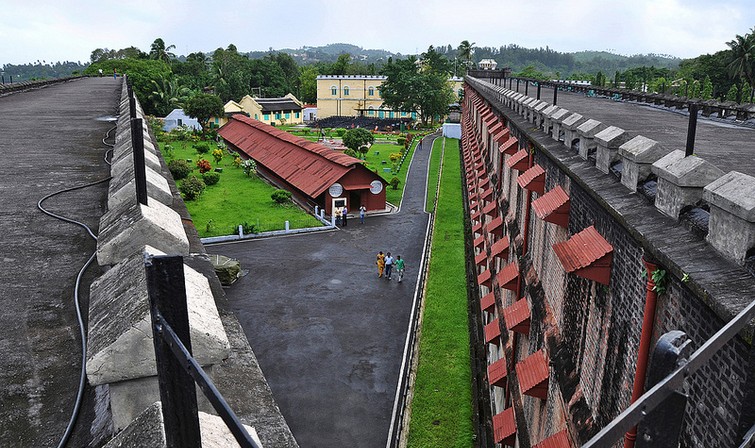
[68, 30]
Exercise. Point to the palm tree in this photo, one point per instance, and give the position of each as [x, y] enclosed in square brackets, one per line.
[168, 94]
[742, 63]
[159, 51]
[465, 51]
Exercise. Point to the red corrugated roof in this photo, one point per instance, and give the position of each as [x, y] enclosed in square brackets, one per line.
[480, 259]
[496, 128]
[533, 373]
[502, 135]
[510, 146]
[586, 254]
[486, 194]
[310, 167]
[533, 179]
[553, 207]
[487, 302]
[500, 248]
[558, 440]
[492, 332]
[504, 427]
[477, 228]
[518, 161]
[497, 373]
[496, 226]
[484, 278]
[508, 276]
[491, 209]
[517, 316]
[479, 241]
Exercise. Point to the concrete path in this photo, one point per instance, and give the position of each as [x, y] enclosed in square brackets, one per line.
[328, 334]
[50, 140]
[729, 147]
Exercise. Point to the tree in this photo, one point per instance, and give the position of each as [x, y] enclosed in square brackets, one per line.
[358, 140]
[465, 52]
[707, 92]
[733, 93]
[203, 106]
[742, 64]
[407, 88]
[308, 82]
[141, 73]
[160, 52]
[168, 94]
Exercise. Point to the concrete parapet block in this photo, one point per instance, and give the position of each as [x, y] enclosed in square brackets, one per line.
[731, 229]
[122, 187]
[148, 431]
[570, 125]
[587, 131]
[125, 230]
[537, 113]
[608, 141]
[124, 157]
[681, 180]
[553, 122]
[120, 328]
[638, 156]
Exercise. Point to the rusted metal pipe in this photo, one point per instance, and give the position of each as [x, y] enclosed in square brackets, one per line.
[643, 354]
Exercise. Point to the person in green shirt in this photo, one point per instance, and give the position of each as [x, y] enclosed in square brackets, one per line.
[399, 263]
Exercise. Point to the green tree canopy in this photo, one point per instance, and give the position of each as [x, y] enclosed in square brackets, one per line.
[203, 106]
[358, 139]
[141, 73]
[408, 87]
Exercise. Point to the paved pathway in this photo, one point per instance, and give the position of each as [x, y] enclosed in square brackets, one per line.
[328, 333]
[50, 140]
[724, 145]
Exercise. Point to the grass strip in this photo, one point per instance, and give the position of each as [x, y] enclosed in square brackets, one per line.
[433, 173]
[441, 412]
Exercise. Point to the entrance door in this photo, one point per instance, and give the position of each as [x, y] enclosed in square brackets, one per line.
[338, 203]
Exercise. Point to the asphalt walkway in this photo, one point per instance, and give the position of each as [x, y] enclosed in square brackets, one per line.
[328, 334]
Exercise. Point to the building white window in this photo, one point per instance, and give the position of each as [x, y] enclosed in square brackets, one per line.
[333, 90]
[345, 90]
[371, 91]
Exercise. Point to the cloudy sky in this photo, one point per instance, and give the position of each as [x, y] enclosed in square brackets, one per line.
[59, 30]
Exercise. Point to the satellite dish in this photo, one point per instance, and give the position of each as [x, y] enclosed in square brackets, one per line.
[376, 187]
[335, 190]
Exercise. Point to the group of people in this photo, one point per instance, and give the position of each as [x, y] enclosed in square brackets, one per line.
[342, 214]
[386, 263]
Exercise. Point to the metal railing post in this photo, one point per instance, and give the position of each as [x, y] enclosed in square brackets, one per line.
[526, 87]
[691, 129]
[555, 94]
[140, 172]
[538, 89]
[167, 295]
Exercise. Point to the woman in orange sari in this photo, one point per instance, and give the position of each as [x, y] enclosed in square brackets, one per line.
[380, 263]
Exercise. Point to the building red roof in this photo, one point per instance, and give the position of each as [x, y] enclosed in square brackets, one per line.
[507, 278]
[497, 373]
[487, 302]
[509, 146]
[586, 254]
[533, 374]
[500, 248]
[517, 316]
[533, 179]
[518, 161]
[495, 226]
[502, 136]
[558, 440]
[310, 167]
[484, 278]
[553, 207]
[492, 332]
[481, 259]
[504, 427]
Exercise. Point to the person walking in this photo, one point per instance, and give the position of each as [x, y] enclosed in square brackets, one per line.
[399, 267]
[345, 212]
[362, 210]
[380, 262]
[337, 212]
[388, 265]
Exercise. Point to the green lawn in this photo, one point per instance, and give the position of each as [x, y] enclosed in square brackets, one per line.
[236, 199]
[441, 413]
[432, 175]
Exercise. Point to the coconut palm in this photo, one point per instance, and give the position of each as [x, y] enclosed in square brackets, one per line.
[167, 94]
[742, 63]
[465, 51]
[159, 51]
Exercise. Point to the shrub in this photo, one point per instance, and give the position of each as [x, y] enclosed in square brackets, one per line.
[281, 196]
[217, 155]
[350, 152]
[401, 141]
[340, 132]
[179, 169]
[202, 148]
[250, 166]
[246, 227]
[394, 182]
[203, 165]
[395, 157]
[237, 161]
[210, 178]
[191, 188]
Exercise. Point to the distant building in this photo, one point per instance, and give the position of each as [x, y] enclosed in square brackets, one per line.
[488, 64]
[313, 173]
[359, 96]
[272, 111]
[309, 112]
[177, 118]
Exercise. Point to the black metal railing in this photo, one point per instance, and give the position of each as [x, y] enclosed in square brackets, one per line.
[177, 370]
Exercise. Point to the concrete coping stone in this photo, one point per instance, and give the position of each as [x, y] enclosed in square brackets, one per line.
[573, 121]
[559, 114]
[528, 101]
[691, 171]
[611, 137]
[120, 327]
[733, 192]
[131, 226]
[125, 158]
[148, 431]
[549, 109]
[540, 105]
[123, 187]
[590, 127]
[641, 149]
[666, 161]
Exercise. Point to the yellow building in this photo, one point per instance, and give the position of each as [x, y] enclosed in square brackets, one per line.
[273, 111]
[359, 95]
